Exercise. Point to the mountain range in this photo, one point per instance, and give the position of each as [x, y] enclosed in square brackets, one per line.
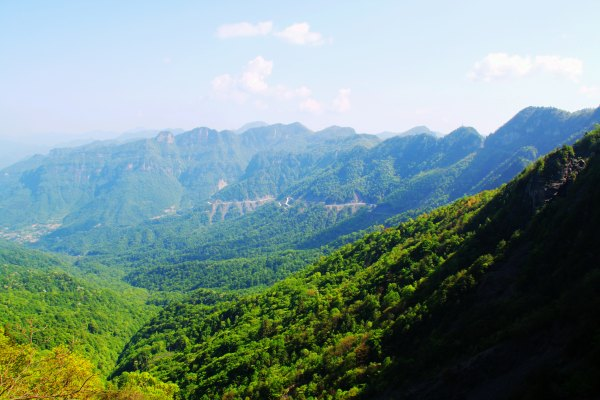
[276, 262]
[417, 130]
[108, 184]
[183, 211]
[491, 297]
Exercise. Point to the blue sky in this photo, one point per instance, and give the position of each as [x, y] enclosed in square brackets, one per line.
[71, 67]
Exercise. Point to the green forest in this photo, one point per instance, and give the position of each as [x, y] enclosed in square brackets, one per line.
[312, 200]
[471, 269]
[404, 304]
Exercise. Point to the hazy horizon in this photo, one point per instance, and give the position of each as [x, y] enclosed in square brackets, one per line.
[71, 69]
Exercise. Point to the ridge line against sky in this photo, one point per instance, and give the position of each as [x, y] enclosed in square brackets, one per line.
[385, 66]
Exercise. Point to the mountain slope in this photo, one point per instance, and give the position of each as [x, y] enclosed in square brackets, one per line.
[312, 200]
[108, 184]
[44, 303]
[371, 174]
[417, 130]
[493, 296]
[123, 184]
[530, 134]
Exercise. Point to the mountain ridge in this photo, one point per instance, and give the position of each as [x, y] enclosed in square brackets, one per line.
[479, 299]
[491, 296]
[131, 206]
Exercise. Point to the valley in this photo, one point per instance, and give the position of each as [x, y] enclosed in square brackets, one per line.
[337, 269]
[299, 200]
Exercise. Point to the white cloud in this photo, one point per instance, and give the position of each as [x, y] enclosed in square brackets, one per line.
[251, 86]
[499, 66]
[253, 81]
[341, 103]
[244, 29]
[311, 105]
[253, 78]
[300, 34]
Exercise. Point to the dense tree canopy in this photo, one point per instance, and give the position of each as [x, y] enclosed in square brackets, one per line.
[404, 305]
[307, 297]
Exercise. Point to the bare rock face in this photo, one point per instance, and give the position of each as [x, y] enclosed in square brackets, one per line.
[165, 137]
[560, 169]
[221, 184]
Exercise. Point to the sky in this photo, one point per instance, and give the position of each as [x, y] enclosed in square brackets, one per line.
[70, 67]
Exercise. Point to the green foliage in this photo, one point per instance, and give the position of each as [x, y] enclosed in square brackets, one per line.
[432, 298]
[429, 301]
[232, 273]
[142, 385]
[27, 373]
[372, 175]
[330, 318]
[223, 245]
[122, 184]
[42, 304]
[243, 252]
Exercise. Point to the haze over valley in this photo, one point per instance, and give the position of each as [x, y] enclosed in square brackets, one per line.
[417, 219]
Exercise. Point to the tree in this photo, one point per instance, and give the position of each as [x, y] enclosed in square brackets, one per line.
[141, 386]
[26, 373]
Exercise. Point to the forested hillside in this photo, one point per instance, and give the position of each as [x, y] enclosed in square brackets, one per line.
[493, 296]
[211, 176]
[47, 301]
[406, 299]
[28, 373]
[415, 220]
[320, 197]
[122, 184]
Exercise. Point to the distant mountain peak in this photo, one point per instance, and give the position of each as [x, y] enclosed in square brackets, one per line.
[541, 126]
[464, 137]
[464, 130]
[143, 133]
[296, 125]
[250, 125]
[165, 137]
[417, 130]
[279, 129]
[336, 131]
